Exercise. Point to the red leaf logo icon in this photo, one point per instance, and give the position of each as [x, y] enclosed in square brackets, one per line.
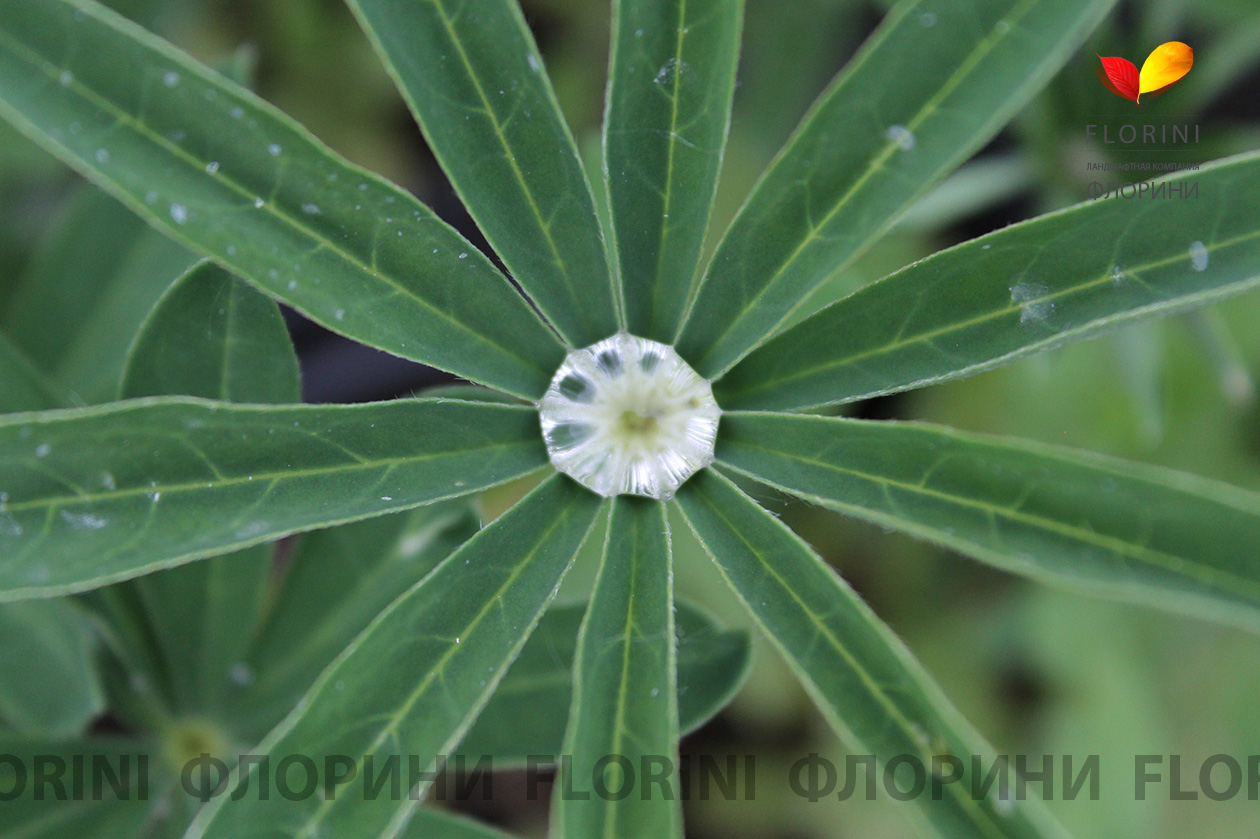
[1121, 77]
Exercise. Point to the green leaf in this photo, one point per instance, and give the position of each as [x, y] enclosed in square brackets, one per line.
[712, 664]
[1101, 526]
[45, 810]
[337, 581]
[413, 681]
[625, 691]
[48, 680]
[26, 388]
[669, 107]
[228, 175]
[865, 681]
[472, 76]
[215, 337]
[89, 286]
[128, 488]
[873, 143]
[212, 336]
[1033, 285]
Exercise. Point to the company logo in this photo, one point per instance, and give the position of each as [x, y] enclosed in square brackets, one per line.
[1164, 67]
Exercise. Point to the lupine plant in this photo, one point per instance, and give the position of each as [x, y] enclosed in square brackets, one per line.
[630, 378]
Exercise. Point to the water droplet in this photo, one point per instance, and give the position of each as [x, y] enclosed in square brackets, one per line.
[901, 135]
[339, 686]
[179, 213]
[461, 256]
[1032, 303]
[310, 209]
[42, 450]
[102, 155]
[340, 314]
[1002, 27]
[985, 247]
[107, 481]
[534, 64]
[928, 19]
[170, 79]
[242, 674]
[665, 75]
[252, 529]
[231, 250]
[84, 521]
[258, 203]
[237, 112]
[292, 284]
[274, 150]
[1199, 256]
[1117, 274]
[387, 498]
[212, 167]
[66, 78]
[150, 197]
[618, 426]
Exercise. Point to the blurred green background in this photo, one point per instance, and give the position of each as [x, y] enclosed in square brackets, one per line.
[1038, 671]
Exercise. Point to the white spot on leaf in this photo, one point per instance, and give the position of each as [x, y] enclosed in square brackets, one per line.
[1199, 256]
[902, 136]
[1030, 297]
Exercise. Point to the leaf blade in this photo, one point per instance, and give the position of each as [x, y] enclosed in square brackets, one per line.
[867, 684]
[228, 175]
[1015, 291]
[668, 113]
[625, 697]
[511, 157]
[458, 631]
[816, 209]
[1073, 519]
[51, 687]
[90, 485]
[712, 664]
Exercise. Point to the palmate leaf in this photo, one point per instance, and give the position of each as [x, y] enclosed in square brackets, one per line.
[874, 142]
[211, 335]
[124, 489]
[867, 684]
[669, 107]
[625, 697]
[228, 175]
[1099, 525]
[414, 680]
[1057, 278]
[474, 81]
[712, 664]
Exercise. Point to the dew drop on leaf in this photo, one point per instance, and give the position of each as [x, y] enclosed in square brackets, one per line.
[902, 136]
[1199, 256]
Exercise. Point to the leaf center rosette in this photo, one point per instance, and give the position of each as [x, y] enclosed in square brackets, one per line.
[629, 416]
